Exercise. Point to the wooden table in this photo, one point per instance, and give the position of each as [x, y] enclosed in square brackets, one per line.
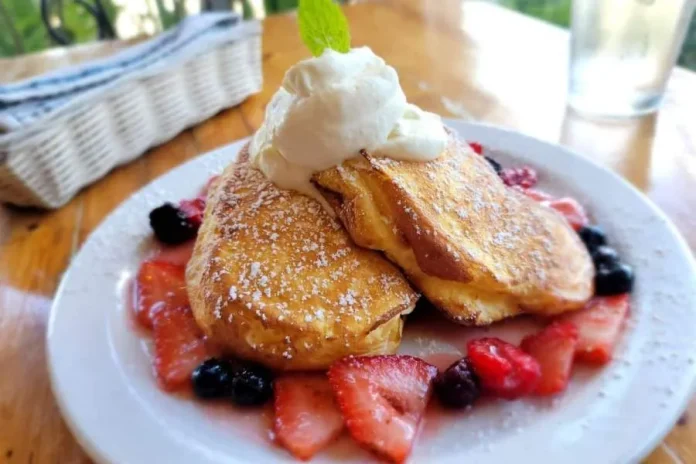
[458, 58]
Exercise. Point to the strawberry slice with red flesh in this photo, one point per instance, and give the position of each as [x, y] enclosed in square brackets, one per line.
[382, 400]
[534, 194]
[554, 348]
[179, 346]
[571, 210]
[307, 417]
[505, 371]
[599, 327]
[158, 284]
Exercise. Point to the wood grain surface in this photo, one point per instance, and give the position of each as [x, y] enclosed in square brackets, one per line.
[464, 59]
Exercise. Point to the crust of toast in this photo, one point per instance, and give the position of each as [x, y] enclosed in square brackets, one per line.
[479, 251]
[275, 279]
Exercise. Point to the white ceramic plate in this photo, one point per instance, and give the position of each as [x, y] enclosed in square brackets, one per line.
[101, 374]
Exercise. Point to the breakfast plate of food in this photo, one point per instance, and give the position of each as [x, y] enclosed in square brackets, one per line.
[362, 280]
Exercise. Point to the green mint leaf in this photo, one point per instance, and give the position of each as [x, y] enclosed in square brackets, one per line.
[322, 26]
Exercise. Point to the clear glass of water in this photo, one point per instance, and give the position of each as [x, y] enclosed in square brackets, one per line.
[622, 53]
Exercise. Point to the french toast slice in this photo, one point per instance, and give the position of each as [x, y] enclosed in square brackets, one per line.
[276, 279]
[479, 251]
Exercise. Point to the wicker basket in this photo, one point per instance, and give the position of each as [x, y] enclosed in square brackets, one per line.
[48, 162]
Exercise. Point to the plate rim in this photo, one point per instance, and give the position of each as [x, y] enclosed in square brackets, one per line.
[95, 451]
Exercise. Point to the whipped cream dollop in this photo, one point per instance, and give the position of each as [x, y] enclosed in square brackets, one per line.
[329, 108]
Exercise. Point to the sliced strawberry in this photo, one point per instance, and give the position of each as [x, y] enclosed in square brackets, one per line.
[179, 346]
[306, 415]
[599, 327]
[158, 284]
[536, 195]
[504, 370]
[554, 348]
[477, 147]
[193, 209]
[382, 400]
[571, 210]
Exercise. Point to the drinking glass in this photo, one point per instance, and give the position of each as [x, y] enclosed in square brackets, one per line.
[622, 52]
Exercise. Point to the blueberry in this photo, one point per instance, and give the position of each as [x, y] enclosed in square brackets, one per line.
[212, 379]
[614, 279]
[171, 225]
[251, 385]
[458, 386]
[496, 165]
[605, 256]
[593, 236]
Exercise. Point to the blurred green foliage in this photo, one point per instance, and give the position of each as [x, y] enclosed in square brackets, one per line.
[21, 29]
[168, 17]
[553, 11]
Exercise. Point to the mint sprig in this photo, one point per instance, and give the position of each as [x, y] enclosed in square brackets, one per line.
[322, 26]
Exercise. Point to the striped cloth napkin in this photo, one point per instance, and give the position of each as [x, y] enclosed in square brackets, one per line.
[25, 102]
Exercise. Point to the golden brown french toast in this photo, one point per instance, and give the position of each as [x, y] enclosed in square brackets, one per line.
[275, 279]
[476, 249]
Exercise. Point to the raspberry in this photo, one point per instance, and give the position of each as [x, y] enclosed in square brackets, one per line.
[193, 209]
[505, 370]
[525, 177]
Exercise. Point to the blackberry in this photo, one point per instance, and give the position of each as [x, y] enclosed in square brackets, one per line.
[171, 225]
[458, 386]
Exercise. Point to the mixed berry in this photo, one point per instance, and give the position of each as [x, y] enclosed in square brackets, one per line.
[252, 385]
[382, 400]
[458, 386]
[379, 400]
[213, 379]
[504, 369]
[243, 383]
[173, 225]
[612, 277]
[554, 349]
[307, 417]
[525, 177]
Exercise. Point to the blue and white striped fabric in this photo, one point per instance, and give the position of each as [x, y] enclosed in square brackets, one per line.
[25, 102]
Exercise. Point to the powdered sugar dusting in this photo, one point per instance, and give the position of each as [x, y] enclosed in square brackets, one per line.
[283, 258]
[522, 245]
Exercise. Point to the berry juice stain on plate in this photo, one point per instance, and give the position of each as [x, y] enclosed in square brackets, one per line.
[255, 425]
[177, 254]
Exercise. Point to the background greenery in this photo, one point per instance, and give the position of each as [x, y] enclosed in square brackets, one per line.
[21, 29]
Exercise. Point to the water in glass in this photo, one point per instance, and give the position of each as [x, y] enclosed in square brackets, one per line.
[622, 52]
